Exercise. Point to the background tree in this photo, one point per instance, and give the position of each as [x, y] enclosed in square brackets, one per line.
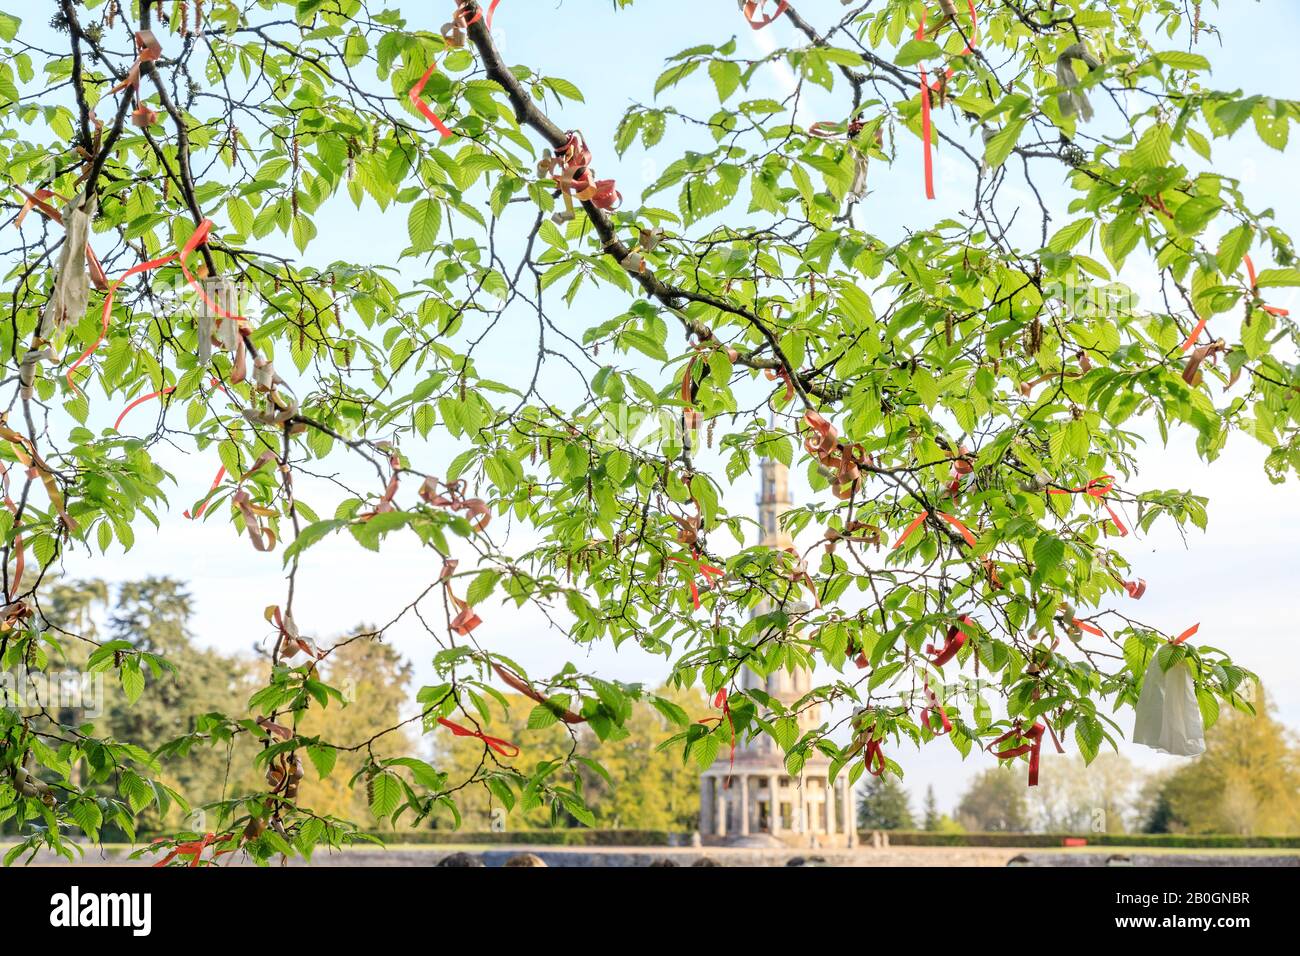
[994, 802]
[1248, 781]
[966, 386]
[1076, 798]
[374, 681]
[931, 813]
[883, 804]
[642, 784]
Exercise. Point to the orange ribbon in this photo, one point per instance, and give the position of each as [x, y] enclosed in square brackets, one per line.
[1089, 628]
[504, 747]
[844, 460]
[927, 126]
[476, 509]
[140, 401]
[149, 50]
[1270, 309]
[203, 502]
[419, 104]
[1098, 488]
[916, 523]
[1185, 635]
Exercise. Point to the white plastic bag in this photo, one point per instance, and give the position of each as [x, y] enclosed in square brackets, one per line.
[1168, 717]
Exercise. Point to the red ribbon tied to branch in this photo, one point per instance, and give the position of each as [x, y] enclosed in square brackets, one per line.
[193, 849]
[1185, 635]
[1097, 489]
[479, 13]
[753, 11]
[504, 747]
[875, 758]
[697, 565]
[953, 642]
[570, 169]
[1034, 746]
[720, 700]
[927, 126]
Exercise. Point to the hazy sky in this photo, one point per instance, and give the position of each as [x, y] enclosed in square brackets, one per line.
[1237, 579]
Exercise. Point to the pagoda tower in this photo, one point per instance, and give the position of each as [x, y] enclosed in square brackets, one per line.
[758, 801]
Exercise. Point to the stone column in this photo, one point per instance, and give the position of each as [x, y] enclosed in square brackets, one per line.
[706, 785]
[719, 808]
[744, 804]
[774, 804]
[831, 827]
[850, 813]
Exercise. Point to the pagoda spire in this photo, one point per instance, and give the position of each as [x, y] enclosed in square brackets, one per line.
[774, 501]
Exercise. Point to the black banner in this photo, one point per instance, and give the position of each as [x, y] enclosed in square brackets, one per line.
[331, 905]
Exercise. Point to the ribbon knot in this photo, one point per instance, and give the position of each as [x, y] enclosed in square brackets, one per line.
[953, 642]
[1033, 747]
[1097, 489]
[504, 747]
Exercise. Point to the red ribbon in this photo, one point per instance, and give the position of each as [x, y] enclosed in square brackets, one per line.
[1098, 488]
[943, 714]
[752, 9]
[953, 643]
[140, 401]
[479, 13]
[720, 700]
[192, 849]
[708, 570]
[875, 758]
[504, 747]
[1034, 748]
[1090, 628]
[1136, 588]
[1185, 635]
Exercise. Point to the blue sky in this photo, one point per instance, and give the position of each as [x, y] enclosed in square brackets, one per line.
[1236, 579]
